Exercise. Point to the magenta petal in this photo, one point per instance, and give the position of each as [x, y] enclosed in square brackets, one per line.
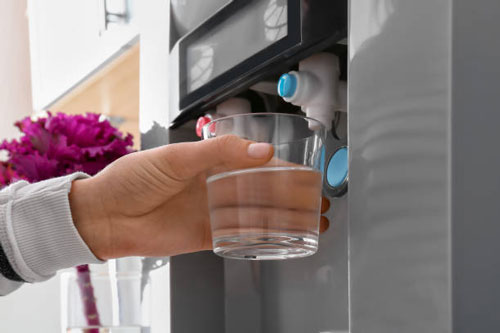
[60, 144]
[7, 174]
[35, 167]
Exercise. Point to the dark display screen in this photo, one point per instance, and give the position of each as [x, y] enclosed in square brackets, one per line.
[238, 40]
[257, 25]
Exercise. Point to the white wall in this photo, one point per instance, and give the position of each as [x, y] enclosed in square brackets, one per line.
[68, 42]
[153, 19]
[15, 84]
[33, 308]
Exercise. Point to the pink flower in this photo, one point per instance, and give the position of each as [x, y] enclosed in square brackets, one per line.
[7, 174]
[61, 144]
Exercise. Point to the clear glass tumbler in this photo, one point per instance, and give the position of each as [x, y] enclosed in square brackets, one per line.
[271, 211]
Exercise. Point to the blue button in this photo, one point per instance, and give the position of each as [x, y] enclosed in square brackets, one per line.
[287, 85]
[336, 172]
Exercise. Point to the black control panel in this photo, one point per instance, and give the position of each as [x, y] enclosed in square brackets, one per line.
[247, 41]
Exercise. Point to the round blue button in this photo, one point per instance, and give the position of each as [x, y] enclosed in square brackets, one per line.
[336, 172]
[287, 85]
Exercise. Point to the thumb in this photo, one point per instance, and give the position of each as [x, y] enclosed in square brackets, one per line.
[183, 161]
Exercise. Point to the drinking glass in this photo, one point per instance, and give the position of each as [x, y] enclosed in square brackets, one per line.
[271, 211]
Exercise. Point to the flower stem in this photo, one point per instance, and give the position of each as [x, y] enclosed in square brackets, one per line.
[88, 298]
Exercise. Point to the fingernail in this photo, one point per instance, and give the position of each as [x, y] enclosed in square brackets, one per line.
[259, 150]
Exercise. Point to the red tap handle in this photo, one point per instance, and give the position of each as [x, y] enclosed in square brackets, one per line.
[202, 121]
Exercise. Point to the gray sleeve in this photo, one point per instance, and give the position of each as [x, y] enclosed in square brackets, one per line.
[37, 234]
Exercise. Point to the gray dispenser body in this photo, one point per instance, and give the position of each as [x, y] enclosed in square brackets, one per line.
[412, 245]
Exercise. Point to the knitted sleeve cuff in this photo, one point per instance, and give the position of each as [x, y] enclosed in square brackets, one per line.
[42, 238]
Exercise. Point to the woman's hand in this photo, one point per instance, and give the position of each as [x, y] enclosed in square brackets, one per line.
[154, 202]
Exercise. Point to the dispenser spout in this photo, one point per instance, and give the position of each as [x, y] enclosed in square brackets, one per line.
[316, 87]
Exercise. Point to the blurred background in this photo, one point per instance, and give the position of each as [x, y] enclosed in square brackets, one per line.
[76, 56]
[72, 57]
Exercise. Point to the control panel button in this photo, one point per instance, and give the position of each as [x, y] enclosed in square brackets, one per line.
[287, 85]
[336, 172]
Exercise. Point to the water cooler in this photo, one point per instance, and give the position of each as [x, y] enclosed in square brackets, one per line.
[407, 90]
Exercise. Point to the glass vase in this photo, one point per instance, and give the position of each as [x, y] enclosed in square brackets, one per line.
[110, 298]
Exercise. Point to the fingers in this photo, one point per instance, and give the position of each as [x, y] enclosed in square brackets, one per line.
[231, 220]
[292, 189]
[325, 205]
[324, 224]
[227, 220]
[186, 160]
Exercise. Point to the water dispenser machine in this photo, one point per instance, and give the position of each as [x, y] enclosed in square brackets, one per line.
[383, 76]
